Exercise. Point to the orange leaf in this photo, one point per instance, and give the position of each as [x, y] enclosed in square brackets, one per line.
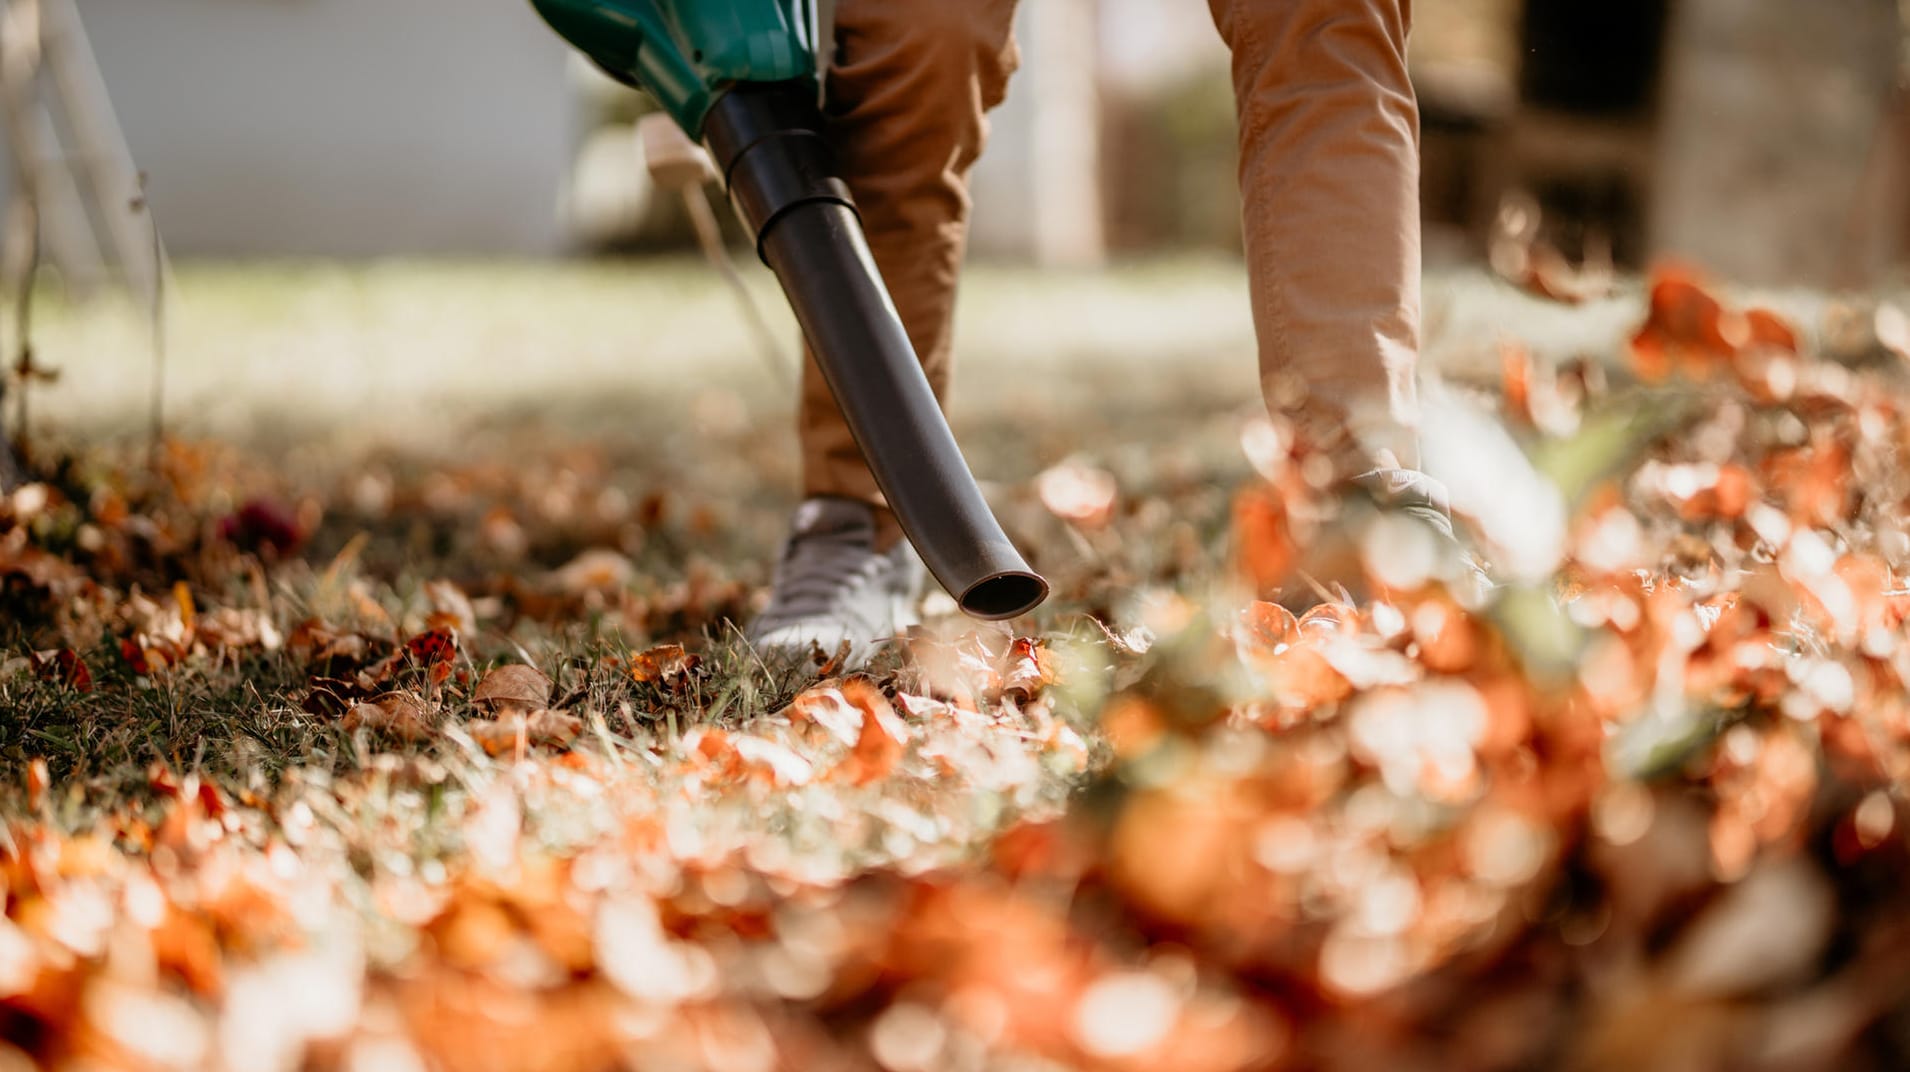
[1515, 374]
[1028, 669]
[878, 746]
[1302, 677]
[1767, 328]
[1263, 539]
[1448, 638]
[826, 707]
[1685, 325]
[666, 665]
[38, 781]
[182, 595]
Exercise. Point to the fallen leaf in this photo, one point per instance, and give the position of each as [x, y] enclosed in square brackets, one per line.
[881, 739]
[64, 666]
[399, 714]
[513, 686]
[668, 666]
[1027, 670]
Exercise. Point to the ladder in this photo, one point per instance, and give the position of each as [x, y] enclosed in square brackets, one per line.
[78, 201]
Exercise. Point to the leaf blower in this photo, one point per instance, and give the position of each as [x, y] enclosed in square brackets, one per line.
[741, 77]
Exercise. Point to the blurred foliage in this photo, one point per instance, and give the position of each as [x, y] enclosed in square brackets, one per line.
[461, 765]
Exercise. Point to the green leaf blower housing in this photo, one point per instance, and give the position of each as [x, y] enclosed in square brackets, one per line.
[687, 53]
[740, 75]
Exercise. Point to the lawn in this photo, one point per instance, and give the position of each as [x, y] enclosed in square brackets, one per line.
[394, 714]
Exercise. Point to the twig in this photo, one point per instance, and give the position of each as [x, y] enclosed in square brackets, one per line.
[157, 323]
[710, 237]
[24, 369]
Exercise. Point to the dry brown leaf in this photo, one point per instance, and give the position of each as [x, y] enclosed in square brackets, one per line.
[827, 707]
[553, 729]
[668, 666]
[399, 714]
[513, 686]
[1027, 670]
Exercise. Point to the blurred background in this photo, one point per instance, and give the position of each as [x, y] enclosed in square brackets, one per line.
[303, 157]
[1761, 137]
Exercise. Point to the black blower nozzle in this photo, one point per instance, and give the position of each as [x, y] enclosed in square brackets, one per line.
[767, 141]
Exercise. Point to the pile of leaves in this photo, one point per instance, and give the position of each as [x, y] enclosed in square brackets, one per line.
[1334, 802]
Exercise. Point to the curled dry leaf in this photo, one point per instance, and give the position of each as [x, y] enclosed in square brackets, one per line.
[234, 629]
[554, 729]
[1027, 669]
[513, 686]
[314, 641]
[399, 714]
[826, 707]
[432, 652]
[668, 666]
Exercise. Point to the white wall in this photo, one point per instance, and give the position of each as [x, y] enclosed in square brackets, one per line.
[341, 127]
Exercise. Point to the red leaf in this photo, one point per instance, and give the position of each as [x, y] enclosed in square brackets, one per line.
[64, 666]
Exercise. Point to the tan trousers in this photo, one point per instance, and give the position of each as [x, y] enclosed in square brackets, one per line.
[1329, 175]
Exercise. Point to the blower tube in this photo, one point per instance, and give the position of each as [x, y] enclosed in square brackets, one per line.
[767, 141]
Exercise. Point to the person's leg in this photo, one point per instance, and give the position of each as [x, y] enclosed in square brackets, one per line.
[1329, 179]
[906, 97]
[905, 103]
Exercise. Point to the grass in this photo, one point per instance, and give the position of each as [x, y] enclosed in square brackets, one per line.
[1152, 832]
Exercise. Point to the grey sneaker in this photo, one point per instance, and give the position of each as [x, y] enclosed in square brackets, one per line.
[1410, 492]
[833, 587]
[1417, 495]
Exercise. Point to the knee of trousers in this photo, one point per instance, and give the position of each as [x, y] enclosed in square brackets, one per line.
[947, 57]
